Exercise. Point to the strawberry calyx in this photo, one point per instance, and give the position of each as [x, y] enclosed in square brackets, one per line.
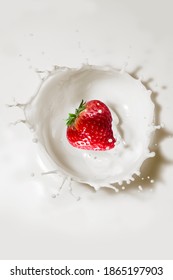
[72, 117]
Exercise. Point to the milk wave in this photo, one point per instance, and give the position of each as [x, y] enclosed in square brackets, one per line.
[132, 111]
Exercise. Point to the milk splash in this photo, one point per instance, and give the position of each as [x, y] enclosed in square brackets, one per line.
[132, 110]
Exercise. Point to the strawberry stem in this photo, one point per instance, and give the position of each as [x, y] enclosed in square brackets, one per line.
[72, 117]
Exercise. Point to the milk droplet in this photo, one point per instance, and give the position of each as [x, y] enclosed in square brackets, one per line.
[152, 154]
[138, 173]
[116, 189]
[140, 187]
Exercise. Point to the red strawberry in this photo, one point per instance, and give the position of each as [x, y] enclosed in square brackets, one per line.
[90, 128]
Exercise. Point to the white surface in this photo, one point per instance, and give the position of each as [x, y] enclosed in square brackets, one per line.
[103, 225]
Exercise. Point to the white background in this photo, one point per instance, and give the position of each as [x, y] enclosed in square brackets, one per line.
[38, 34]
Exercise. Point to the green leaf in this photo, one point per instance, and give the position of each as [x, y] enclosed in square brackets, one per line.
[72, 117]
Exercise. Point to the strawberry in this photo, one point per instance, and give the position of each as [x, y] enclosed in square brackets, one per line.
[90, 128]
